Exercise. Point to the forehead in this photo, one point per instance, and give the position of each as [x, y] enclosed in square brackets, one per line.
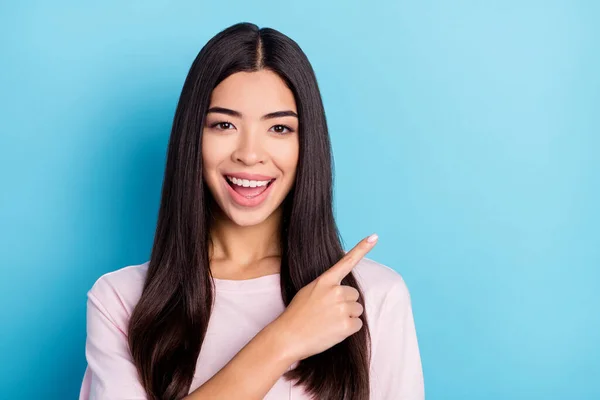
[253, 93]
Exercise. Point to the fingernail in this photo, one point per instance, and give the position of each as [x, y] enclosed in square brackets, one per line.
[372, 238]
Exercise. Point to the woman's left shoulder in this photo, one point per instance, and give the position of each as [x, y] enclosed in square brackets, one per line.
[379, 282]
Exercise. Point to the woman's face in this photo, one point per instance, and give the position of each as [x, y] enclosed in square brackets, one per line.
[250, 137]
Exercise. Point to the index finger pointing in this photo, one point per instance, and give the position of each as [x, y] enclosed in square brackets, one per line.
[339, 270]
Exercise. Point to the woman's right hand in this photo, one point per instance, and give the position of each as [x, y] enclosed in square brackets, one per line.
[324, 312]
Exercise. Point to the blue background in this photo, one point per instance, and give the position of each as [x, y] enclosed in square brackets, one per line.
[465, 133]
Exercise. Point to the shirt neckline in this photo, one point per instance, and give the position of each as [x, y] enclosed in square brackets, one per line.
[271, 281]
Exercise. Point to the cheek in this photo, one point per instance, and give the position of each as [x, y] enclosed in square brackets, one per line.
[211, 155]
[286, 155]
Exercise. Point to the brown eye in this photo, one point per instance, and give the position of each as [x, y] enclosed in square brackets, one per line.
[280, 129]
[223, 125]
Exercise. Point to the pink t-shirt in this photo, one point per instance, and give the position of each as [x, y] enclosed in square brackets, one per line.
[243, 308]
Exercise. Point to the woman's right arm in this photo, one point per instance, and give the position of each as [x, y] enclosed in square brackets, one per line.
[252, 372]
[321, 314]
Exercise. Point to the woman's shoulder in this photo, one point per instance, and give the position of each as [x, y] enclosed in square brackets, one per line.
[119, 291]
[376, 276]
[380, 283]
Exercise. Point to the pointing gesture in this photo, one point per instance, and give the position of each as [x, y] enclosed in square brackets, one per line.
[338, 272]
[324, 312]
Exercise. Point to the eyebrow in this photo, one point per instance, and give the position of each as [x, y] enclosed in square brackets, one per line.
[233, 113]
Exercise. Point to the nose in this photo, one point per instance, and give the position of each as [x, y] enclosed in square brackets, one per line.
[249, 149]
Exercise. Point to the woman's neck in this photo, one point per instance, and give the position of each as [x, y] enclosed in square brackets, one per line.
[245, 246]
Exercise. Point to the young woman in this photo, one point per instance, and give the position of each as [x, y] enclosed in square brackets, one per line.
[248, 293]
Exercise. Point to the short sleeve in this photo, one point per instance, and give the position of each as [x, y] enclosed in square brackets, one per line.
[396, 370]
[110, 372]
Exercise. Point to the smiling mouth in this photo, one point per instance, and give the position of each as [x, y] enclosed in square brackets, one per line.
[248, 188]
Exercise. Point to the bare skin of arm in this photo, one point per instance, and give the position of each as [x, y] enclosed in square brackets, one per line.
[251, 373]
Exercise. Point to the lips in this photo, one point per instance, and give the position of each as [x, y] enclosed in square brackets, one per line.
[248, 196]
[248, 191]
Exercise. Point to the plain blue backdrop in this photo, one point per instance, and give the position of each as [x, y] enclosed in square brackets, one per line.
[465, 133]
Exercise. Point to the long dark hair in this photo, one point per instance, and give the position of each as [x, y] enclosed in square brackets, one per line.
[169, 323]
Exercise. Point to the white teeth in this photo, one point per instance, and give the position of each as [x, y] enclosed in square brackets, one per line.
[246, 182]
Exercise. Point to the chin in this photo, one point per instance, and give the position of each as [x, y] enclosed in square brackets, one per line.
[247, 218]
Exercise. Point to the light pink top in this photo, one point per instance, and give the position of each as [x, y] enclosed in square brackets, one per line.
[242, 308]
